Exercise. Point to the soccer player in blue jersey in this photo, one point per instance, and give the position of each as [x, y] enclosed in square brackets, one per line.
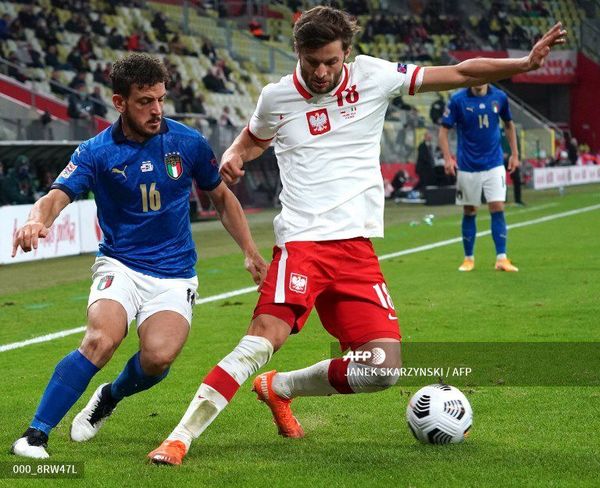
[141, 171]
[476, 113]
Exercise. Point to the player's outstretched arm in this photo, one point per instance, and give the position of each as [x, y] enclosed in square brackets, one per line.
[244, 148]
[478, 71]
[233, 219]
[41, 217]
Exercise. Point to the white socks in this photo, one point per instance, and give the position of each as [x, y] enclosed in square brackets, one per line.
[251, 354]
[311, 381]
[320, 380]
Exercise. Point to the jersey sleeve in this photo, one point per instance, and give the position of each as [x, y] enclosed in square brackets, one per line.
[79, 175]
[393, 78]
[450, 114]
[204, 167]
[262, 125]
[505, 113]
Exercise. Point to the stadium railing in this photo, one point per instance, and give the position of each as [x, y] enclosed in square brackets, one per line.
[27, 101]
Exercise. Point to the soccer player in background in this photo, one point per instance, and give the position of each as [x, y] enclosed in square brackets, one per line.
[140, 170]
[325, 120]
[476, 113]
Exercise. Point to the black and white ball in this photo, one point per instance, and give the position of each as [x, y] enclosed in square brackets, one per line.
[439, 414]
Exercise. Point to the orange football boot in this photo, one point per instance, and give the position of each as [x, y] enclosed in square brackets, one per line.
[467, 265]
[169, 452]
[283, 417]
[506, 265]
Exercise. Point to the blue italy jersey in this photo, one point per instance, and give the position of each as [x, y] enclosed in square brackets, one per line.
[142, 192]
[477, 121]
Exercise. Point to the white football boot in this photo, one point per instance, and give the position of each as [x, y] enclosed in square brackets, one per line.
[87, 423]
[32, 444]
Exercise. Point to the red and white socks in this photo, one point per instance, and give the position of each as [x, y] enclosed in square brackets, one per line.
[330, 377]
[220, 385]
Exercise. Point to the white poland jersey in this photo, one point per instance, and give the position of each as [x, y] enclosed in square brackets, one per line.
[328, 146]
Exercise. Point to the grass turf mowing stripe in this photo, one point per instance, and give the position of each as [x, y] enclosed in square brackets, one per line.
[250, 289]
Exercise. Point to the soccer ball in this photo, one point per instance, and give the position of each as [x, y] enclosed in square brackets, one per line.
[439, 414]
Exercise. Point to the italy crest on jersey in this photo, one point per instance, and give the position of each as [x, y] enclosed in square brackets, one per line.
[174, 165]
[105, 282]
[495, 106]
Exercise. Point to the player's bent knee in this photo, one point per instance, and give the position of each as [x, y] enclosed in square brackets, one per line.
[496, 206]
[98, 347]
[275, 330]
[155, 363]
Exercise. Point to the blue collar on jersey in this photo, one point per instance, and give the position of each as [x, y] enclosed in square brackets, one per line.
[119, 137]
[471, 94]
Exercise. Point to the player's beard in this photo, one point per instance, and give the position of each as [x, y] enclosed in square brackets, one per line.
[325, 89]
[142, 131]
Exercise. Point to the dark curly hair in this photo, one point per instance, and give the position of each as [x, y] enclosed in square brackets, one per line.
[321, 25]
[137, 69]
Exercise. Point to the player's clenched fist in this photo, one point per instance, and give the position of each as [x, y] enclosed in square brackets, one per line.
[28, 235]
[450, 166]
[513, 163]
[257, 267]
[232, 168]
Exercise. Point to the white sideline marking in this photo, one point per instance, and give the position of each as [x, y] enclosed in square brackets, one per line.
[44, 338]
[512, 213]
[228, 294]
[547, 218]
[250, 289]
[77, 330]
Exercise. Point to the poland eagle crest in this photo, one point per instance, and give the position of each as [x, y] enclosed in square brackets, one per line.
[298, 283]
[318, 121]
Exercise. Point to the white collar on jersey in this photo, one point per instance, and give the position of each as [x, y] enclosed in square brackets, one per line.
[306, 93]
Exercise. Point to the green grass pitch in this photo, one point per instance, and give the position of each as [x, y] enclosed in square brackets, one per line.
[522, 436]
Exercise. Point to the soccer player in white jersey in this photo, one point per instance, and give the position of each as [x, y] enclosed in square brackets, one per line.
[325, 121]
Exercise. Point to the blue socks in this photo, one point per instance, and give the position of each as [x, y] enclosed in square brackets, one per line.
[469, 230]
[133, 379]
[499, 232]
[71, 377]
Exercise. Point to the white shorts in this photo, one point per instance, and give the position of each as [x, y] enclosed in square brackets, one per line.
[141, 295]
[470, 186]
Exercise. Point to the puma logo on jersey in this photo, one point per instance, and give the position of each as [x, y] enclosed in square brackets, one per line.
[318, 121]
[120, 171]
